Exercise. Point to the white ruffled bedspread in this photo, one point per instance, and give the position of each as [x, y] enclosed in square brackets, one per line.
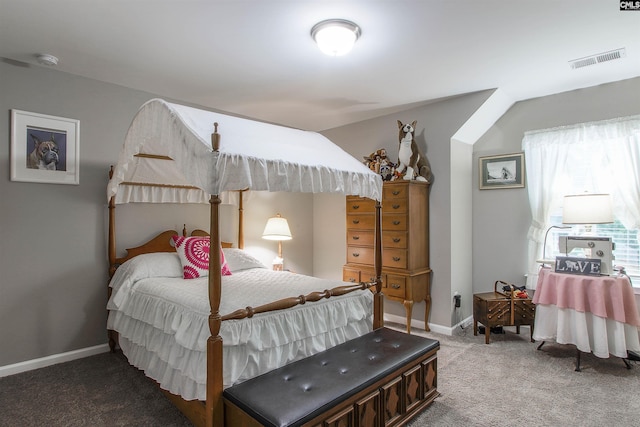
[162, 321]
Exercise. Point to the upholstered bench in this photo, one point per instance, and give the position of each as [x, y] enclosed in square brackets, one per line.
[382, 378]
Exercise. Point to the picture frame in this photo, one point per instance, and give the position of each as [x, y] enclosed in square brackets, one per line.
[44, 149]
[501, 171]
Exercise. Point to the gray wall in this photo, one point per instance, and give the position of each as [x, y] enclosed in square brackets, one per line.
[501, 218]
[53, 258]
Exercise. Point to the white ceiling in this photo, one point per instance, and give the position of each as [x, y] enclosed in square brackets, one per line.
[256, 57]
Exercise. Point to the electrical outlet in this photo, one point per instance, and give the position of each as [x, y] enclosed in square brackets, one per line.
[457, 297]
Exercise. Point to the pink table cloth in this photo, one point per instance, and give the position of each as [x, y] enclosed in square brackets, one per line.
[610, 297]
[596, 313]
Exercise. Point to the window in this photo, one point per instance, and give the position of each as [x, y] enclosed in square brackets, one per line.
[596, 157]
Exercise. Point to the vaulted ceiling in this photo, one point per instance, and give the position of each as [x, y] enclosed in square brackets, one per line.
[256, 57]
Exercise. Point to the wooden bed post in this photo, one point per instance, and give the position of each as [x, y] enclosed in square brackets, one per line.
[112, 233]
[378, 301]
[112, 335]
[240, 221]
[214, 406]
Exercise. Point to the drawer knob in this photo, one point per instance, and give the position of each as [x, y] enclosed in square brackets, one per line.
[355, 254]
[395, 286]
[396, 222]
[396, 239]
[396, 258]
[356, 221]
[396, 192]
[356, 237]
[395, 206]
[356, 206]
[352, 280]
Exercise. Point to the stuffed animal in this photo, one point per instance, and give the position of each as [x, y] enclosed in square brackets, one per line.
[409, 155]
[379, 163]
[386, 170]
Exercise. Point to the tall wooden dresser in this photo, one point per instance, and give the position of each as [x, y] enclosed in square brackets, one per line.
[405, 243]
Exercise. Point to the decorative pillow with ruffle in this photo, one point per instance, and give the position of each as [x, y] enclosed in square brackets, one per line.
[194, 256]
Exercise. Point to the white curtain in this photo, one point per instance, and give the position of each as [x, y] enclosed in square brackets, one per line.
[612, 150]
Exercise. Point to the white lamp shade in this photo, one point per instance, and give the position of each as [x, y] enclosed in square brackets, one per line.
[335, 37]
[277, 228]
[587, 209]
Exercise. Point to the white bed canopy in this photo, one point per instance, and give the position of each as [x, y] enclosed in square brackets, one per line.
[168, 157]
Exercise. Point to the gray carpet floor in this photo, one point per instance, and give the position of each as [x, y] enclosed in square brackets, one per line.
[505, 383]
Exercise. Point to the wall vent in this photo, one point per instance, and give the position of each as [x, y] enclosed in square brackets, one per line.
[598, 58]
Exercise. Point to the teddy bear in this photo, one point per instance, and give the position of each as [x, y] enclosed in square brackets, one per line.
[380, 164]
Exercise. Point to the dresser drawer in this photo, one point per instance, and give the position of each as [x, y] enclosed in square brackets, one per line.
[351, 275]
[395, 191]
[360, 237]
[392, 206]
[396, 286]
[394, 258]
[360, 255]
[394, 239]
[360, 205]
[361, 222]
[356, 275]
[393, 222]
[369, 275]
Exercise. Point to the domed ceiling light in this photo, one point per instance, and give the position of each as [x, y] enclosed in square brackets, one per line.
[46, 59]
[335, 37]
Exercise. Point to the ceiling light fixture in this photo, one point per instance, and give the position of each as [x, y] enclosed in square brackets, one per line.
[46, 59]
[335, 37]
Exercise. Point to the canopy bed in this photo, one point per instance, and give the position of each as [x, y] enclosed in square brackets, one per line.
[174, 153]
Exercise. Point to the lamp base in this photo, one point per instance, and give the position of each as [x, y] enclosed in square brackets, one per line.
[278, 264]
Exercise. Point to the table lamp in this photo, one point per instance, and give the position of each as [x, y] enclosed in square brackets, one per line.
[277, 228]
[587, 209]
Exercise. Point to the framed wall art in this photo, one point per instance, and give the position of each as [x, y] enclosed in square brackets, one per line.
[44, 149]
[503, 171]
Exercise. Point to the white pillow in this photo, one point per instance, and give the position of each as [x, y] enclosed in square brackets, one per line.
[239, 260]
[160, 264]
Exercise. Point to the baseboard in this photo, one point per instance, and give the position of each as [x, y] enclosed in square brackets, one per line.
[54, 359]
[464, 324]
[438, 329]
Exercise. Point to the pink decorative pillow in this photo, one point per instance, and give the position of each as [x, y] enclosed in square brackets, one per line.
[194, 256]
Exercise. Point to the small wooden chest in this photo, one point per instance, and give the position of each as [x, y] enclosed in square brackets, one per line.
[501, 309]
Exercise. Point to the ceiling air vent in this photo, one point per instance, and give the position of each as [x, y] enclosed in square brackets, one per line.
[598, 58]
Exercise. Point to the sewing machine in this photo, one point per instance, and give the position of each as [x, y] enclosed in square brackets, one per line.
[594, 247]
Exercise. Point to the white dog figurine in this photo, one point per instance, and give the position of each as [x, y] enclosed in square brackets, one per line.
[409, 155]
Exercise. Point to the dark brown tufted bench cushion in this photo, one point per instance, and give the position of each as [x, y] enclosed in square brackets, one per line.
[305, 389]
